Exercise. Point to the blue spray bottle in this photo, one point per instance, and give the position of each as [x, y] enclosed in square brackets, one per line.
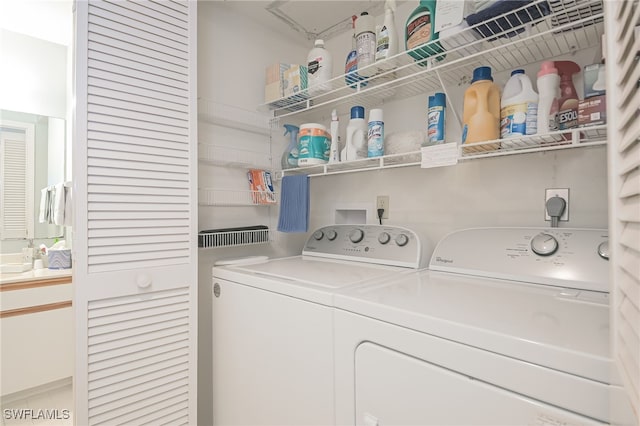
[290, 155]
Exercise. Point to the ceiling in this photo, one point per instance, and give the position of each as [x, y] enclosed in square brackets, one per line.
[50, 20]
[292, 17]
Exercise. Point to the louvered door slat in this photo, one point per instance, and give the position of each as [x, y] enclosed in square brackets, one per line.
[110, 15]
[126, 105]
[136, 177]
[623, 98]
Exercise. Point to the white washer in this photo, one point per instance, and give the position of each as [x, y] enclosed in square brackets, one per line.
[509, 326]
[273, 322]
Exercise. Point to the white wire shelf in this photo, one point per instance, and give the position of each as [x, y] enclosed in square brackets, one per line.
[233, 117]
[539, 30]
[574, 138]
[232, 157]
[233, 237]
[232, 197]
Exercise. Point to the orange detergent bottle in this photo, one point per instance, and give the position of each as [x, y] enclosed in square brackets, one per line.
[481, 111]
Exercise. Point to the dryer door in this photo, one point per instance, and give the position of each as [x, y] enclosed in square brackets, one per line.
[394, 388]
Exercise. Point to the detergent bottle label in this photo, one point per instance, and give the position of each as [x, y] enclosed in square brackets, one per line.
[419, 30]
[518, 119]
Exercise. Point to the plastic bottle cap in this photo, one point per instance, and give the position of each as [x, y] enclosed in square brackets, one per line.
[514, 72]
[357, 112]
[439, 99]
[547, 67]
[375, 114]
[319, 43]
[481, 73]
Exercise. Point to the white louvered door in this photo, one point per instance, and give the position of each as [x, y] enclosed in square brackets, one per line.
[135, 189]
[623, 105]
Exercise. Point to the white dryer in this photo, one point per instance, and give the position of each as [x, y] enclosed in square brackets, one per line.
[273, 322]
[508, 327]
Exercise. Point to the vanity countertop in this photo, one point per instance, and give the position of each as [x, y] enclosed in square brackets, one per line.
[34, 274]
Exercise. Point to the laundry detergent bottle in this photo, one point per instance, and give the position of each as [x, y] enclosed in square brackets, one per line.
[549, 95]
[481, 109]
[419, 31]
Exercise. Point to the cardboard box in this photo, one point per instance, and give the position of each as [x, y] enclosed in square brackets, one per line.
[295, 80]
[594, 82]
[283, 80]
[592, 111]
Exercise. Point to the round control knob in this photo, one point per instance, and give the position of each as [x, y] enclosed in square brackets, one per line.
[356, 235]
[318, 235]
[384, 238]
[603, 250]
[544, 244]
[332, 235]
[402, 240]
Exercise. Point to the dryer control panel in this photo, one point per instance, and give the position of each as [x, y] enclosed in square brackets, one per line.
[575, 258]
[384, 245]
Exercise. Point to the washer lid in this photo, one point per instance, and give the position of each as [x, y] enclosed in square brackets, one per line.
[241, 261]
[564, 329]
[309, 278]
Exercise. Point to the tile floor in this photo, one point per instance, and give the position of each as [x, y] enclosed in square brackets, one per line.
[34, 406]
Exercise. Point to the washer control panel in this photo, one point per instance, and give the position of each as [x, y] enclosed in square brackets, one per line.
[575, 258]
[385, 245]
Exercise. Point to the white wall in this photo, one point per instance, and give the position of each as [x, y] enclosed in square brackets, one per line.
[33, 76]
[233, 53]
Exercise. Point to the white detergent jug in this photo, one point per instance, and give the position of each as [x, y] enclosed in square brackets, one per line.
[519, 107]
[356, 136]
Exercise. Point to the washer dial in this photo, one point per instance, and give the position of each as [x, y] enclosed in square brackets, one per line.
[402, 240]
[544, 244]
[318, 235]
[356, 235]
[384, 238]
[331, 235]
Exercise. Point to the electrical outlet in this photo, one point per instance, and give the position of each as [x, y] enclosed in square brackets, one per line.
[382, 202]
[560, 192]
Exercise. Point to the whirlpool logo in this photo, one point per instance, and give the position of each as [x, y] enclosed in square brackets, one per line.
[443, 260]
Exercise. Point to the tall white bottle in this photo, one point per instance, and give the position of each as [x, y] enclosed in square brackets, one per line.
[387, 37]
[519, 107]
[548, 96]
[366, 44]
[319, 69]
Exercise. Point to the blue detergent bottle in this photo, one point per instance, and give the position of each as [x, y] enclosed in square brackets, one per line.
[290, 155]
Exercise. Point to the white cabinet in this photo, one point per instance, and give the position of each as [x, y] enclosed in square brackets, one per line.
[36, 320]
[540, 30]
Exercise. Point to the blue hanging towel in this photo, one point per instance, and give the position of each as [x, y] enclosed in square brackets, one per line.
[294, 204]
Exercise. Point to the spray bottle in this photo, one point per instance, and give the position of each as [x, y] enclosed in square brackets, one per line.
[290, 155]
[334, 155]
[568, 103]
[387, 36]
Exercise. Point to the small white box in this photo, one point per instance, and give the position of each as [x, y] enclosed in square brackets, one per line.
[59, 259]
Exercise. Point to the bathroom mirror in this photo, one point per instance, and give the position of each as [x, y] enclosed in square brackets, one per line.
[46, 160]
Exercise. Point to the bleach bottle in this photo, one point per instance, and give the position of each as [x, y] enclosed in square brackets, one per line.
[290, 155]
[519, 113]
